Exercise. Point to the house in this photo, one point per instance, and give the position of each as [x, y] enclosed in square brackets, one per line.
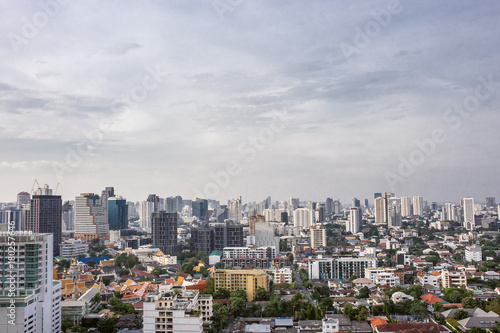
[411, 327]
[346, 325]
[399, 297]
[477, 318]
[431, 299]
[378, 297]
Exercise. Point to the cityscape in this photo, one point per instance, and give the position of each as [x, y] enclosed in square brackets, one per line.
[232, 166]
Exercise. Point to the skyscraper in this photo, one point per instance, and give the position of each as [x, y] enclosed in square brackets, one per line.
[406, 209]
[302, 217]
[23, 198]
[164, 231]
[418, 205]
[235, 209]
[148, 207]
[380, 210]
[107, 193]
[68, 215]
[90, 220]
[36, 296]
[337, 207]
[200, 209]
[45, 216]
[468, 213]
[394, 212]
[353, 223]
[171, 205]
[329, 206]
[490, 202]
[117, 213]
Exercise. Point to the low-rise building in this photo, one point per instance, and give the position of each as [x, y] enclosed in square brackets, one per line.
[473, 253]
[453, 278]
[248, 280]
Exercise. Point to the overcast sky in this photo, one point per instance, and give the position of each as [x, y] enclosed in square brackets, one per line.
[310, 99]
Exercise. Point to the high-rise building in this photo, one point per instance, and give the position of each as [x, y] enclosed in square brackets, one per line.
[265, 235]
[200, 209]
[171, 205]
[12, 215]
[380, 210]
[90, 220]
[178, 198]
[469, 222]
[329, 206]
[337, 207]
[23, 199]
[367, 204]
[293, 203]
[418, 205]
[303, 217]
[377, 195]
[164, 231]
[107, 193]
[235, 209]
[221, 213]
[490, 202]
[202, 239]
[353, 222]
[394, 212]
[117, 213]
[45, 215]
[68, 215]
[318, 236]
[27, 287]
[148, 207]
[406, 208]
[320, 213]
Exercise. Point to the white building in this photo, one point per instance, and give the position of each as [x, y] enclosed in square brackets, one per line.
[235, 209]
[74, 248]
[399, 297]
[31, 292]
[468, 211]
[90, 218]
[406, 208]
[169, 312]
[283, 275]
[473, 253]
[386, 278]
[380, 210]
[303, 217]
[165, 259]
[353, 223]
[418, 205]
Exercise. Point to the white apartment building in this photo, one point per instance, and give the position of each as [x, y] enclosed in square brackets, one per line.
[453, 278]
[30, 301]
[249, 253]
[418, 205]
[473, 253]
[283, 275]
[303, 217]
[74, 248]
[164, 259]
[353, 222]
[431, 279]
[469, 222]
[168, 312]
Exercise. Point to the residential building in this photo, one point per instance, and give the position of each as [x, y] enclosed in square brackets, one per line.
[380, 210]
[418, 205]
[202, 239]
[68, 215]
[469, 222]
[74, 248]
[90, 219]
[393, 212]
[245, 257]
[406, 208]
[282, 275]
[303, 217]
[29, 277]
[473, 253]
[340, 268]
[235, 209]
[148, 207]
[248, 280]
[354, 220]
[453, 278]
[45, 215]
[164, 231]
[318, 236]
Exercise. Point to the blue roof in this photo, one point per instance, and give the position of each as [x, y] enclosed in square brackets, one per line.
[96, 259]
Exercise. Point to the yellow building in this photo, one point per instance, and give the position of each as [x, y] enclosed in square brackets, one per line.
[248, 280]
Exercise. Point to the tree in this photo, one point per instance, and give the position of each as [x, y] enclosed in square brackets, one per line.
[107, 325]
[460, 314]
[326, 304]
[222, 293]
[364, 292]
[237, 306]
[438, 307]
[91, 263]
[494, 306]
[470, 302]
[204, 271]
[66, 324]
[418, 309]
[362, 315]
[210, 287]
[219, 319]
[239, 293]
[261, 295]
[159, 271]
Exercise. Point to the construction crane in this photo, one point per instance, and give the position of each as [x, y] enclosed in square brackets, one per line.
[277, 266]
[33, 187]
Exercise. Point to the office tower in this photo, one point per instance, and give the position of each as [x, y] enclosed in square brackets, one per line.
[434, 205]
[29, 277]
[353, 223]
[107, 193]
[178, 198]
[469, 222]
[269, 215]
[318, 236]
[328, 206]
[235, 209]
[228, 234]
[337, 207]
[356, 202]
[406, 209]
[117, 213]
[302, 217]
[248, 280]
[132, 210]
[45, 215]
[394, 212]
[23, 198]
[68, 215]
[200, 209]
[367, 204]
[293, 203]
[265, 235]
[418, 206]
[377, 195]
[261, 206]
[268, 202]
[380, 210]
[490, 202]
[202, 239]
[164, 231]
[150, 206]
[12, 215]
[320, 213]
[284, 217]
[171, 205]
[221, 213]
[90, 220]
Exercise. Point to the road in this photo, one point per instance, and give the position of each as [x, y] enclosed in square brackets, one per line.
[298, 280]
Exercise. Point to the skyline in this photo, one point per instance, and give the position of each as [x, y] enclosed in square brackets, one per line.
[307, 100]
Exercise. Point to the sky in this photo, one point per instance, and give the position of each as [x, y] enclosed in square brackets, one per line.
[217, 99]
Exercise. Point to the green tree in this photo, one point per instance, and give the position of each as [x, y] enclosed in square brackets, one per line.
[222, 293]
[107, 325]
[460, 314]
[66, 324]
[220, 318]
[364, 292]
[326, 304]
[438, 307]
[470, 302]
[494, 306]
[362, 314]
[237, 306]
[210, 287]
[239, 293]
[159, 271]
[204, 271]
[419, 309]
[261, 295]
